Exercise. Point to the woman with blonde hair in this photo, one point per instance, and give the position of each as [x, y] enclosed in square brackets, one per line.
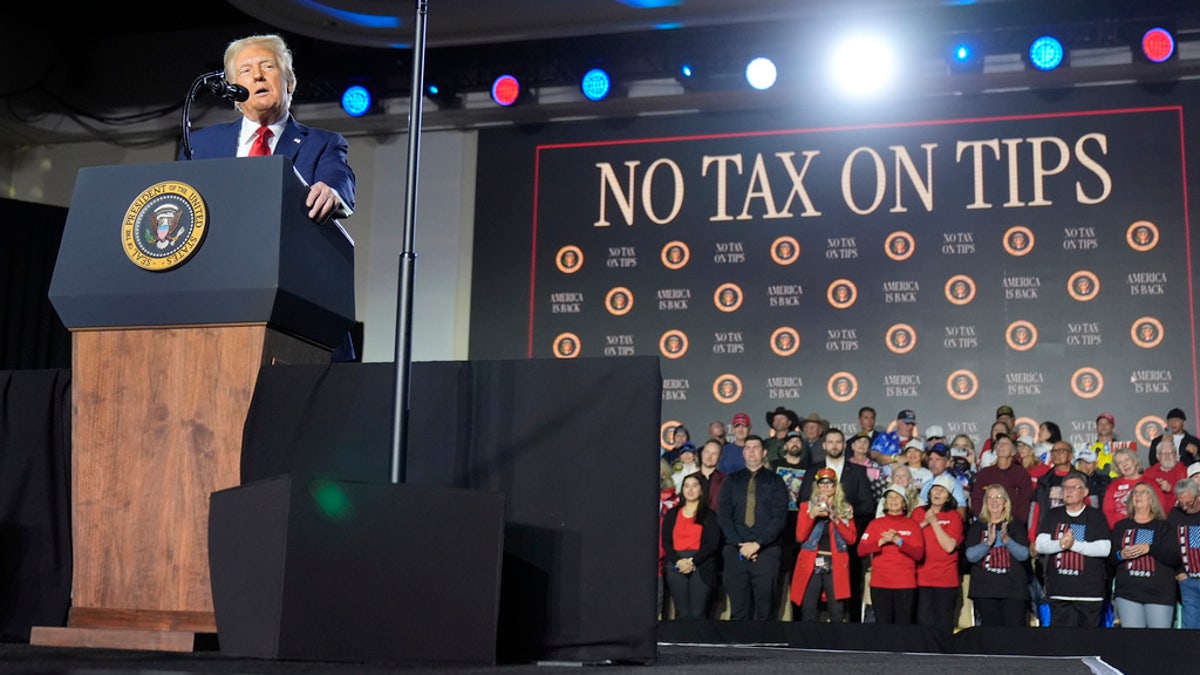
[825, 529]
[1146, 554]
[1116, 498]
[997, 546]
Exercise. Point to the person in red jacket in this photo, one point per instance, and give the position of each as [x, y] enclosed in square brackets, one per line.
[938, 580]
[1116, 498]
[1163, 476]
[896, 545]
[825, 530]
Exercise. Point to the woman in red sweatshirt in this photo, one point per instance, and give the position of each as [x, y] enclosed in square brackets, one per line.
[825, 530]
[937, 575]
[896, 545]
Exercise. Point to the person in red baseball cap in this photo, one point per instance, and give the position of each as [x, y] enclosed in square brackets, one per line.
[731, 454]
[826, 532]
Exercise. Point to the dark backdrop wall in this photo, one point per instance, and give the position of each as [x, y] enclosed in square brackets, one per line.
[946, 255]
[31, 334]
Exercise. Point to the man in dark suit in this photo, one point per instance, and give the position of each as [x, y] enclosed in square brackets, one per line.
[853, 477]
[263, 65]
[752, 510]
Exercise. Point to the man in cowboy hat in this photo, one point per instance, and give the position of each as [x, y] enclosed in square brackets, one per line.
[781, 421]
[813, 428]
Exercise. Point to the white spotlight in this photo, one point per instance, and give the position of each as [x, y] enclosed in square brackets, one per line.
[863, 65]
[761, 73]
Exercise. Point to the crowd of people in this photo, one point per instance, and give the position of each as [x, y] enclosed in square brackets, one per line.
[810, 522]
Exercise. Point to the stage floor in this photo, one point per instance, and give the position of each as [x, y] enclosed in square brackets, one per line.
[673, 659]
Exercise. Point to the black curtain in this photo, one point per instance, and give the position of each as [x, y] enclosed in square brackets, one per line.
[35, 501]
[31, 334]
[571, 444]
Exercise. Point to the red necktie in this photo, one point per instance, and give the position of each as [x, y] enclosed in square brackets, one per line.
[261, 148]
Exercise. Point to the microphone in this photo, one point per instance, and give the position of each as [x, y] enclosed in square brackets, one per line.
[233, 93]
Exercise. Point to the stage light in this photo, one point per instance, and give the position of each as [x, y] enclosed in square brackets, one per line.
[686, 70]
[964, 57]
[1046, 53]
[356, 100]
[506, 89]
[443, 96]
[761, 73]
[863, 65]
[596, 84]
[1158, 45]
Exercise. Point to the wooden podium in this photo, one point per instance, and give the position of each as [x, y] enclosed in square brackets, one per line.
[166, 352]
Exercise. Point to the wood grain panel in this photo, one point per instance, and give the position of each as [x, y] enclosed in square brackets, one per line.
[157, 427]
[163, 641]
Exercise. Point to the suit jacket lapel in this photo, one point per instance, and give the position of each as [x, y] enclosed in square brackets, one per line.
[289, 143]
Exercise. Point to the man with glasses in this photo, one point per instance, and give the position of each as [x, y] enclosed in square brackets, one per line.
[1185, 520]
[1075, 538]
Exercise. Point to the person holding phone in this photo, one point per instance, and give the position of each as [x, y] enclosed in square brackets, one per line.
[826, 532]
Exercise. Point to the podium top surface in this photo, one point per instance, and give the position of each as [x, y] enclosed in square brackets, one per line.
[218, 241]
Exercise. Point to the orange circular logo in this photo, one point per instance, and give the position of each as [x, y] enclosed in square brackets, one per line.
[842, 294]
[962, 385]
[1018, 240]
[785, 250]
[569, 259]
[1083, 286]
[842, 386]
[675, 255]
[566, 346]
[785, 341]
[1142, 236]
[899, 246]
[673, 344]
[1087, 382]
[666, 434]
[727, 388]
[960, 289]
[1146, 332]
[1149, 427]
[1021, 336]
[728, 297]
[619, 301]
[901, 338]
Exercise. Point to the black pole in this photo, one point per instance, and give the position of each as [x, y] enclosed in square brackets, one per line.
[408, 259]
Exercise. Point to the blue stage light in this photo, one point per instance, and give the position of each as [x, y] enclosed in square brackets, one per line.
[596, 84]
[1046, 53]
[356, 100]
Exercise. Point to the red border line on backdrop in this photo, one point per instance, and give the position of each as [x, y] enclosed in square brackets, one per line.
[894, 125]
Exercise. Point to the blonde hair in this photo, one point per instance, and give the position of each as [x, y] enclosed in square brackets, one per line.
[1156, 509]
[1132, 455]
[840, 507]
[1006, 514]
[665, 479]
[970, 443]
[273, 44]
